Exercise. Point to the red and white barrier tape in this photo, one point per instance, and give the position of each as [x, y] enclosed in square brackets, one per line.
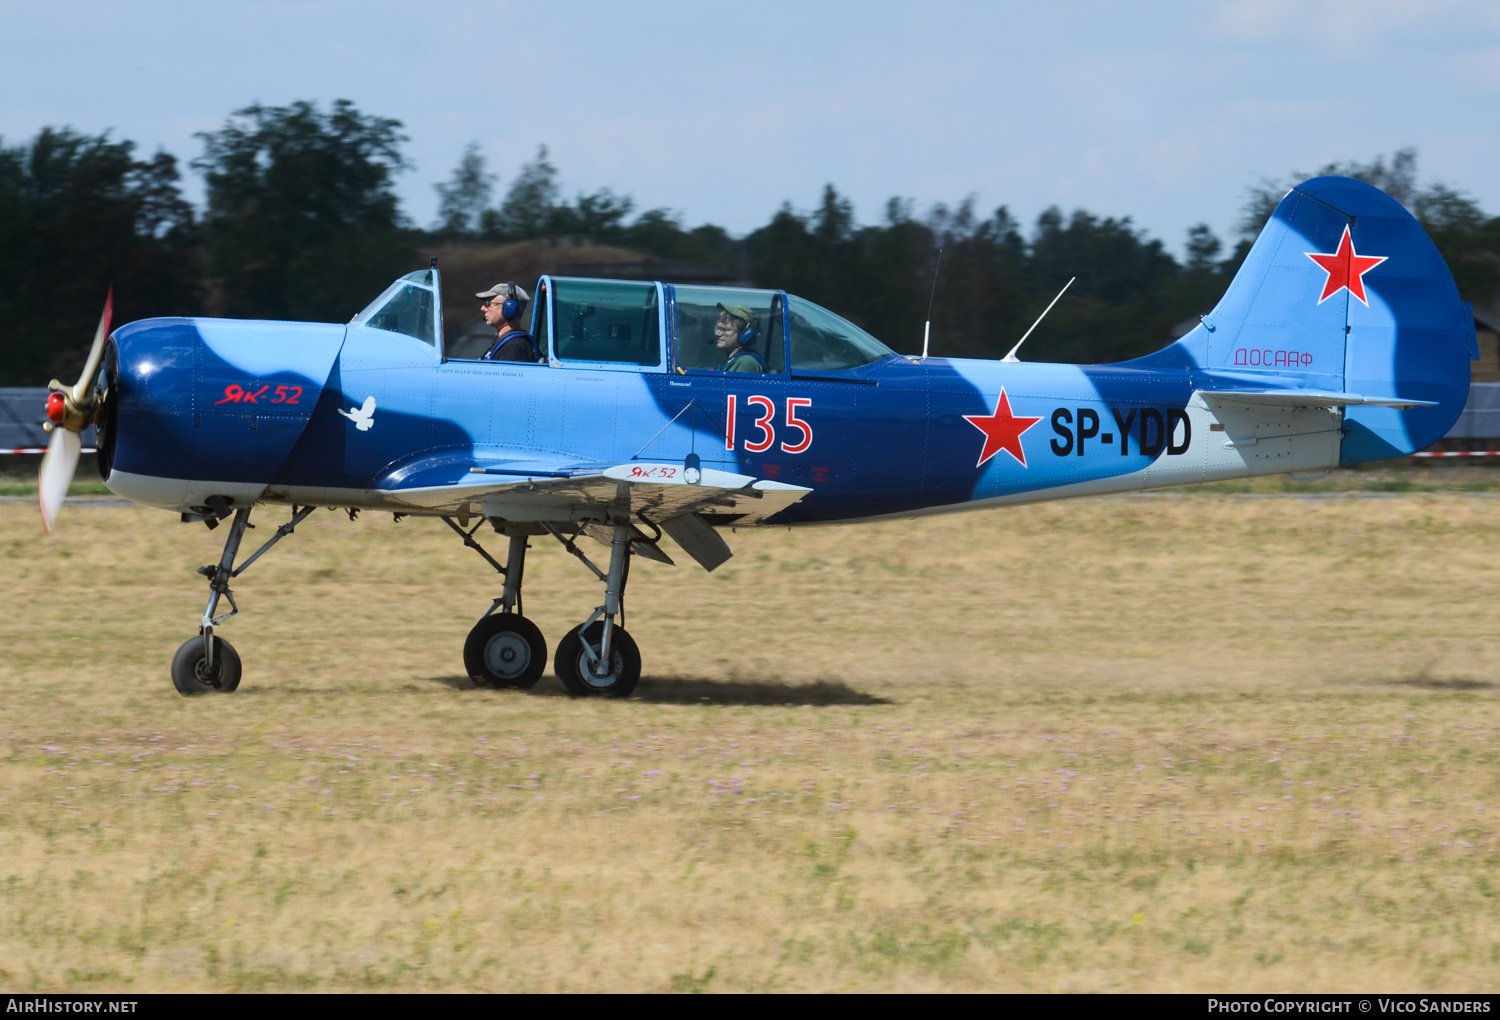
[1458, 453]
[43, 449]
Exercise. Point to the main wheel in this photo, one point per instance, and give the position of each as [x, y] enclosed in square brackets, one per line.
[575, 670]
[191, 673]
[505, 650]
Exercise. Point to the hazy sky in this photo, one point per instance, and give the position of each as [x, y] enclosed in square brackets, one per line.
[1165, 112]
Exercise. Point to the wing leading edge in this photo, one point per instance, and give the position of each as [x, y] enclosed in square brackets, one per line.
[651, 491]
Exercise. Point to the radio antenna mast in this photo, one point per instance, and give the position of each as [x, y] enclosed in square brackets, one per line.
[1012, 355]
[927, 329]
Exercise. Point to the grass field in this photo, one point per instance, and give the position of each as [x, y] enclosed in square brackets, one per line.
[1211, 741]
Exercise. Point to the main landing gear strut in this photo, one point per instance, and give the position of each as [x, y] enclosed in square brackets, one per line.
[597, 657]
[208, 663]
[504, 649]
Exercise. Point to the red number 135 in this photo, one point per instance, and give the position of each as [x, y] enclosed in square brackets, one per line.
[766, 424]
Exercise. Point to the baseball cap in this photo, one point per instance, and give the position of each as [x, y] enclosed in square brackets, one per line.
[741, 312]
[501, 290]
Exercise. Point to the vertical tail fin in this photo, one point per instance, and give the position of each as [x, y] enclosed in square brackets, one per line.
[1343, 291]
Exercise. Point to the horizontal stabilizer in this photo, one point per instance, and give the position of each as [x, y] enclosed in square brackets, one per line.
[1309, 398]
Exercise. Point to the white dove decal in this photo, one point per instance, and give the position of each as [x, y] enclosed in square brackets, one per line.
[362, 417]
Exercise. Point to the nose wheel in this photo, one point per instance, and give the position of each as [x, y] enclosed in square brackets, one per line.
[193, 673]
[505, 650]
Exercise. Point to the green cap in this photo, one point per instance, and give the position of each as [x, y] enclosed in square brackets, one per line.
[741, 312]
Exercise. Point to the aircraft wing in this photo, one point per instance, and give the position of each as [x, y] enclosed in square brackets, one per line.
[659, 492]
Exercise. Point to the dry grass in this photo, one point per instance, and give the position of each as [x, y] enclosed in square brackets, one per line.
[1171, 743]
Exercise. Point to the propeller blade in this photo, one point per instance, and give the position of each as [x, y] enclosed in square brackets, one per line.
[56, 473]
[83, 391]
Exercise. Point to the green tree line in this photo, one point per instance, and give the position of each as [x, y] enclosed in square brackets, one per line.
[301, 221]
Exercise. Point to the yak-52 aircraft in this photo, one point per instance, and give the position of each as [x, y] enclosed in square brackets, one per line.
[1341, 340]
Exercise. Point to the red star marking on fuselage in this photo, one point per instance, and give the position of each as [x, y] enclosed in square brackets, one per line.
[1002, 430]
[1345, 269]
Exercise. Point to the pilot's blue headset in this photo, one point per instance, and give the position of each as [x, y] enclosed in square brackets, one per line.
[511, 308]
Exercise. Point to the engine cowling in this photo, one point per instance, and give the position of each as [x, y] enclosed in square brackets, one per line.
[201, 407]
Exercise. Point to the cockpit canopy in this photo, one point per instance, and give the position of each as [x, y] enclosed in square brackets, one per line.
[654, 327]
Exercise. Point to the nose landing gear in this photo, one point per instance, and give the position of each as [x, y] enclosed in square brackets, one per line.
[207, 664]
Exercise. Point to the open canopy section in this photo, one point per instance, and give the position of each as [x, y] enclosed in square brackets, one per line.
[607, 322]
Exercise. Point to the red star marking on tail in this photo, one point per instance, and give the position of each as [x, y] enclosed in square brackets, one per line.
[1345, 269]
[1002, 430]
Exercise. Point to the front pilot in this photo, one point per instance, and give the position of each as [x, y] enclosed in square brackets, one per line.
[502, 308]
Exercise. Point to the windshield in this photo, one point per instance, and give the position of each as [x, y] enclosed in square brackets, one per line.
[827, 342]
[408, 306]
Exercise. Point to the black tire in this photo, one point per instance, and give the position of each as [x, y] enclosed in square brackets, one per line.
[572, 666]
[190, 677]
[505, 650]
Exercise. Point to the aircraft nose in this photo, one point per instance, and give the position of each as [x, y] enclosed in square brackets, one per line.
[215, 399]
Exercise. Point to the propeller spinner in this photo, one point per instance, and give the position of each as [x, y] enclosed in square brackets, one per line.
[70, 410]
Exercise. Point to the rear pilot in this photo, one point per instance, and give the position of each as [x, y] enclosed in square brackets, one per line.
[734, 335]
